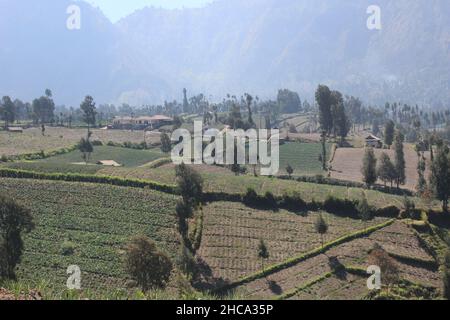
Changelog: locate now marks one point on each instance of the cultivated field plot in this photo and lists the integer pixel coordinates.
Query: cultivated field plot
(218, 179)
(347, 164)
(397, 239)
(72, 162)
(232, 232)
(303, 158)
(95, 221)
(32, 141)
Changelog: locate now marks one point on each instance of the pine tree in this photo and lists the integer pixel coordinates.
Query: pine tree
(321, 227)
(399, 162)
(389, 133)
(386, 169)
(440, 176)
(369, 168)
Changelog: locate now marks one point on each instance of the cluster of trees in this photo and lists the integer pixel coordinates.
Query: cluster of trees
(387, 170)
(333, 117)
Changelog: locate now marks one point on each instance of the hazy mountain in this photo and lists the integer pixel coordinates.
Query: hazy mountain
(230, 46)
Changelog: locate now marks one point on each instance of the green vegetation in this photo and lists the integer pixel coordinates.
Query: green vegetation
(97, 220)
(73, 162)
(302, 157)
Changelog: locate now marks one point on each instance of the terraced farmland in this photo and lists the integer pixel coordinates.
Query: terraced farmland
(96, 220)
(313, 279)
(232, 232)
(222, 180)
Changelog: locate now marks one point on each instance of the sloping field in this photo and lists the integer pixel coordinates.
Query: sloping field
(232, 232)
(347, 164)
(32, 141)
(218, 179)
(303, 158)
(72, 162)
(311, 278)
(95, 222)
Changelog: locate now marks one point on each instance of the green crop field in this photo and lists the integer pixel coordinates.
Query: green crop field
(303, 157)
(232, 184)
(73, 162)
(96, 220)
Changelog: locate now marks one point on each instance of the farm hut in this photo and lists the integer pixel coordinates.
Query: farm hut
(109, 163)
(15, 129)
(373, 141)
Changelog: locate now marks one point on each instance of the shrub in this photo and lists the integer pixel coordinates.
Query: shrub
(67, 248)
(388, 212)
(270, 201)
(293, 202)
(147, 265)
(341, 206)
(250, 198)
(97, 143)
(14, 220)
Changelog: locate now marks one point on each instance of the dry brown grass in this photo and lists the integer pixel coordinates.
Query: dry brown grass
(347, 164)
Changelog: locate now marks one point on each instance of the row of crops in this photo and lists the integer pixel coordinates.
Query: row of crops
(88, 225)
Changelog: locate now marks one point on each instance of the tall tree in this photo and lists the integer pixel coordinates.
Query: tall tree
(341, 123)
(7, 111)
(249, 101)
(440, 175)
(185, 102)
(421, 181)
(44, 108)
(389, 131)
(321, 227)
(324, 101)
(289, 101)
(399, 162)
(14, 221)
(89, 112)
(86, 149)
(263, 253)
(386, 169)
(369, 168)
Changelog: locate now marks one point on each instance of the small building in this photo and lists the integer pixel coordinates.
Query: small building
(109, 163)
(373, 141)
(141, 123)
(15, 129)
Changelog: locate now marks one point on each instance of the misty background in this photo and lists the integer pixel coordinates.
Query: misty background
(228, 46)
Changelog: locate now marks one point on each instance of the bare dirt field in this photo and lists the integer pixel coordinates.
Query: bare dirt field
(32, 141)
(347, 164)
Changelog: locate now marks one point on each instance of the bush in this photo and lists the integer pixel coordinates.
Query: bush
(270, 201)
(341, 206)
(251, 198)
(388, 212)
(147, 265)
(293, 202)
(67, 248)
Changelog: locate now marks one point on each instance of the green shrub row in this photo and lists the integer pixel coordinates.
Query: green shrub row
(320, 179)
(295, 260)
(75, 177)
(38, 155)
(131, 145)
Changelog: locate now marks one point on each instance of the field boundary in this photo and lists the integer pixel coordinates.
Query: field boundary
(40, 155)
(74, 177)
(315, 252)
